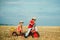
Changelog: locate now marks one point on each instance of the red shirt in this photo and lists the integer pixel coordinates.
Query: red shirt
(19, 28)
(31, 24)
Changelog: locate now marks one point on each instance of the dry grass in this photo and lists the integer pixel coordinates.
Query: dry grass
(46, 33)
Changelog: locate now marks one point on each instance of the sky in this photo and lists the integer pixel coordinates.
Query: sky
(47, 12)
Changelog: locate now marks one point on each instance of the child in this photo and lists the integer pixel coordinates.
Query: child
(30, 26)
(19, 28)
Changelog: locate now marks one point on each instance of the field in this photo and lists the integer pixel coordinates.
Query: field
(46, 33)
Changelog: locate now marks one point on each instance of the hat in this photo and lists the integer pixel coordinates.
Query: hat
(33, 17)
(21, 21)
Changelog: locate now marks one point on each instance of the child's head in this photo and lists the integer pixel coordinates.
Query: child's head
(34, 18)
(21, 22)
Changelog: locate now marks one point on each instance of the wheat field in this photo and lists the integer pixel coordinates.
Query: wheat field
(46, 33)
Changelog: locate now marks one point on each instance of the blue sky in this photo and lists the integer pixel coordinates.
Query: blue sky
(46, 11)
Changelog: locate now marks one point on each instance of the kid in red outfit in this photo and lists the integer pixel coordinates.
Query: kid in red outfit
(19, 28)
(30, 27)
